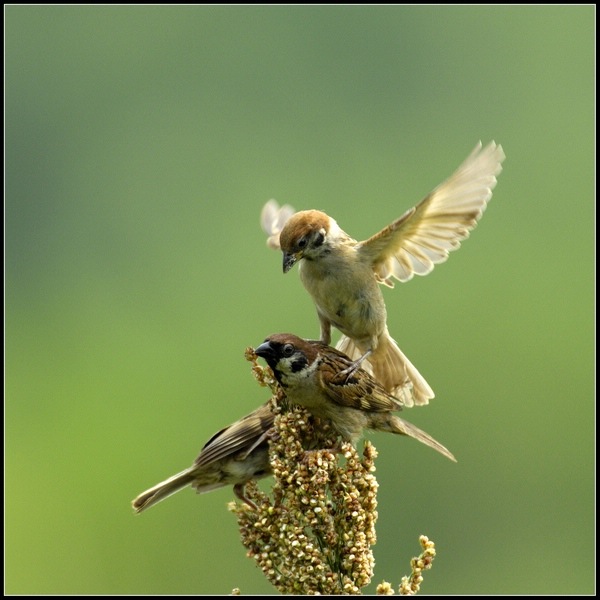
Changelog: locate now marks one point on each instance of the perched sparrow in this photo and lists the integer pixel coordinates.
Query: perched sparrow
(313, 375)
(343, 275)
(233, 456)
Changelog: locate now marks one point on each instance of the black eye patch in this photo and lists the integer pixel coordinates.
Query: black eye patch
(319, 239)
(298, 364)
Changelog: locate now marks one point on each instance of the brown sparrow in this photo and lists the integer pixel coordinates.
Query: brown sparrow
(313, 375)
(343, 275)
(233, 456)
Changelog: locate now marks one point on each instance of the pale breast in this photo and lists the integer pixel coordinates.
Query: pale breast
(347, 295)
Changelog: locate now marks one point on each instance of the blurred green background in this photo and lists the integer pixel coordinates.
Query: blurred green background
(141, 144)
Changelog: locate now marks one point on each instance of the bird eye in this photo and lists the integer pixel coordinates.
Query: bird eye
(288, 350)
(302, 242)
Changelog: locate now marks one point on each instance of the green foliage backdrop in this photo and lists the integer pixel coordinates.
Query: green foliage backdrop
(141, 143)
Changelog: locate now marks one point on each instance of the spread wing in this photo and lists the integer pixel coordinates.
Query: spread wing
(272, 220)
(359, 390)
(424, 235)
(239, 436)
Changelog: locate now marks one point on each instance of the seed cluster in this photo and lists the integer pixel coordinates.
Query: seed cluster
(314, 536)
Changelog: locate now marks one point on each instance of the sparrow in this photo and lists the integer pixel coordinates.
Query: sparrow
(312, 375)
(232, 456)
(343, 275)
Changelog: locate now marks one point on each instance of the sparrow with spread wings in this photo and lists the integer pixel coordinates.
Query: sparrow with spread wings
(343, 275)
(232, 456)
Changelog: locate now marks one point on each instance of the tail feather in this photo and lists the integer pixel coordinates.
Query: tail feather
(390, 366)
(163, 490)
(398, 425)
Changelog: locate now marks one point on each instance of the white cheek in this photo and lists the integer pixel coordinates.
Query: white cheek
(285, 366)
(300, 378)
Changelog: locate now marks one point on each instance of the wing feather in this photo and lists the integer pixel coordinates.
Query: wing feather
(272, 219)
(241, 435)
(359, 390)
(424, 235)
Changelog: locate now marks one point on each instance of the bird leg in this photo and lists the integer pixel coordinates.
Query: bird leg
(325, 329)
(238, 490)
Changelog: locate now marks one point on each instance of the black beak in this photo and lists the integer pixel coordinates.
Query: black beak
(289, 260)
(266, 351)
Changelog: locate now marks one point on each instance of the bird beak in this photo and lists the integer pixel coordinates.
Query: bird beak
(265, 350)
(289, 260)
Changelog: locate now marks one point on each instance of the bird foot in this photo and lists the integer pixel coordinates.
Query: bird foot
(348, 372)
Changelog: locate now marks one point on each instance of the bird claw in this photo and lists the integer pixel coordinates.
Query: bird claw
(348, 372)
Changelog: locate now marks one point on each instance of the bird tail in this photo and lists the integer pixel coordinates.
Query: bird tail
(392, 369)
(397, 425)
(163, 490)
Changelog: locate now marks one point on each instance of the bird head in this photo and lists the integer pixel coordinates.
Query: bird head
(304, 236)
(287, 355)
